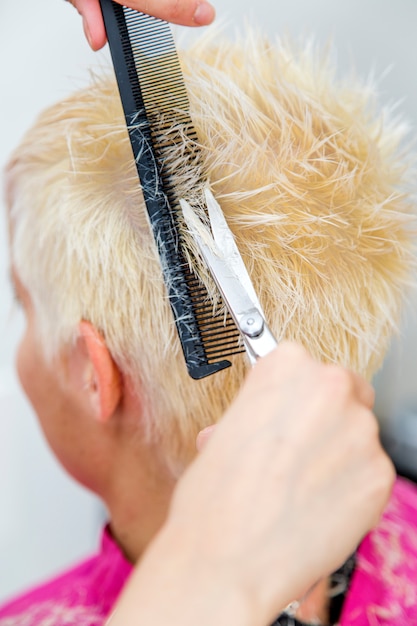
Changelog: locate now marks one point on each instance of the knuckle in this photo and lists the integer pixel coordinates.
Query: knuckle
(287, 359)
(386, 467)
(175, 10)
(295, 351)
(369, 423)
(338, 380)
(363, 429)
(388, 471)
(384, 476)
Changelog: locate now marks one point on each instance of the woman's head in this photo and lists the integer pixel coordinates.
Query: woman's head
(312, 182)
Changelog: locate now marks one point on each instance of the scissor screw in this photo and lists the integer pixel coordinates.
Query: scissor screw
(251, 323)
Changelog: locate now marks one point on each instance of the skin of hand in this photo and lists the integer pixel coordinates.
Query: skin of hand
(184, 12)
(284, 489)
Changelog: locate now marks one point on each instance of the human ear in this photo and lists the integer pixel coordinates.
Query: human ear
(101, 376)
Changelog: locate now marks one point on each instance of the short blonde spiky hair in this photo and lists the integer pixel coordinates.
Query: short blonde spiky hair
(310, 178)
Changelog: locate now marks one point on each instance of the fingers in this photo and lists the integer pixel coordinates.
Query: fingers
(92, 22)
(291, 355)
(305, 432)
(184, 12)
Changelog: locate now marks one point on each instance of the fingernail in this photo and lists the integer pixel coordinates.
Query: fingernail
(204, 14)
(87, 32)
(203, 437)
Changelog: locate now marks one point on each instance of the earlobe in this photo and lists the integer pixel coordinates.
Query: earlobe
(103, 380)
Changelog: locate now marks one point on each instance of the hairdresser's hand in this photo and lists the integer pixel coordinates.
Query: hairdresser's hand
(284, 489)
(185, 12)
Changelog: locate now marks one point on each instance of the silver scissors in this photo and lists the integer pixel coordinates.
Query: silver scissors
(222, 257)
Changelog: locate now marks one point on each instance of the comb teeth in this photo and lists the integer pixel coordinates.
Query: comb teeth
(156, 108)
(156, 63)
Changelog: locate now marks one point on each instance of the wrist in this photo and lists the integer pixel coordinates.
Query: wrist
(174, 585)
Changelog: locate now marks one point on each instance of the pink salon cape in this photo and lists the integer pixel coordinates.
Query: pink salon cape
(383, 591)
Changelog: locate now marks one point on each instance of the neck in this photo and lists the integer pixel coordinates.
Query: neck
(138, 500)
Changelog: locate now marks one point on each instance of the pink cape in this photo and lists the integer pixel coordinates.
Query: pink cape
(384, 586)
(83, 596)
(383, 591)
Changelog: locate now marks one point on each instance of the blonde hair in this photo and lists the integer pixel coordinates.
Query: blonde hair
(311, 179)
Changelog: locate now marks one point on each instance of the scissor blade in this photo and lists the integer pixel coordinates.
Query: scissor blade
(256, 335)
(225, 242)
(199, 231)
(229, 283)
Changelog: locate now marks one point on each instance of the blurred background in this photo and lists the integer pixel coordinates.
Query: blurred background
(46, 521)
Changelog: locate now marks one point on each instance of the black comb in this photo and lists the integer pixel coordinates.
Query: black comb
(156, 108)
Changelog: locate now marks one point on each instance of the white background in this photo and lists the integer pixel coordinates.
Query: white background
(46, 521)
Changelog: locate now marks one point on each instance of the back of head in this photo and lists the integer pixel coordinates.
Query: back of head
(312, 182)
